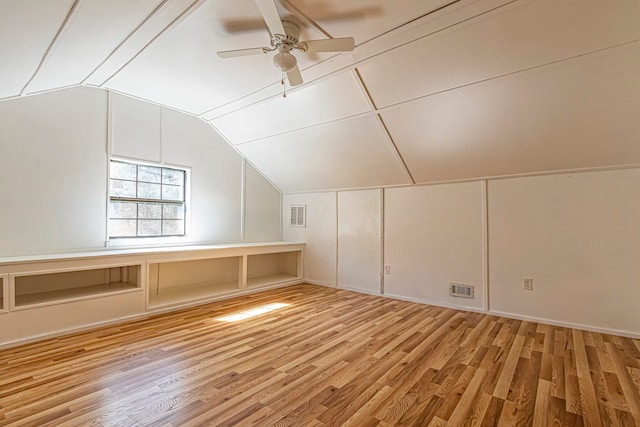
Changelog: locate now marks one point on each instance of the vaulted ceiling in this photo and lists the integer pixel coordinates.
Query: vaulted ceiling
(435, 90)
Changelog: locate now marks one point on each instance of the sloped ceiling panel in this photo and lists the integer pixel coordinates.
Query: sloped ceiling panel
(351, 153)
(161, 19)
(570, 115)
(327, 100)
(93, 31)
(527, 34)
(195, 79)
(26, 30)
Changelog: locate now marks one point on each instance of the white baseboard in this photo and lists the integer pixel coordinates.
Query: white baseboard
(563, 324)
(436, 303)
(314, 282)
(362, 291)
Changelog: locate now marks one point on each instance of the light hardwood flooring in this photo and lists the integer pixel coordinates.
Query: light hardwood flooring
(330, 357)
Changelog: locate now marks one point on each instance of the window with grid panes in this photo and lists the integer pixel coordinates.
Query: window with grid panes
(146, 200)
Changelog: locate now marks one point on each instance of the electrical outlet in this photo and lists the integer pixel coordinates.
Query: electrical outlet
(527, 283)
(387, 269)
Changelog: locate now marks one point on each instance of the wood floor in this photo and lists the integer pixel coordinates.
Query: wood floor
(331, 358)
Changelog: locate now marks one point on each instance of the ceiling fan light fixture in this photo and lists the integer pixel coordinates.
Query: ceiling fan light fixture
(285, 61)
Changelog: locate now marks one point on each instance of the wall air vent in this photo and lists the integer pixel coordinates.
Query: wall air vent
(298, 216)
(461, 290)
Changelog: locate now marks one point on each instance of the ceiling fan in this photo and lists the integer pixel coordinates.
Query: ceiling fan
(285, 37)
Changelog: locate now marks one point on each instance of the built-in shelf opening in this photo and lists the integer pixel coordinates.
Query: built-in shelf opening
(180, 281)
(3, 290)
(267, 269)
(41, 288)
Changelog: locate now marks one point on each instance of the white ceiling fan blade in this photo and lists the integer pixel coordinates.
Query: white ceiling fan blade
(343, 44)
(294, 77)
(271, 17)
(242, 52)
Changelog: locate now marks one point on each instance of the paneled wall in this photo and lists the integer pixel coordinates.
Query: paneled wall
(55, 148)
(360, 240)
(434, 235)
(53, 172)
(320, 234)
(576, 235)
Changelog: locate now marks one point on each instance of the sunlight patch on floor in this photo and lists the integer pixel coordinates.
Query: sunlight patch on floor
(242, 315)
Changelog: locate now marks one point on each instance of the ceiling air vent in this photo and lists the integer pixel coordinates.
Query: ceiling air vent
(297, 218)
(460, 290)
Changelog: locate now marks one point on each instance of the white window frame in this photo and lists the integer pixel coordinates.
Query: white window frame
(150, 240)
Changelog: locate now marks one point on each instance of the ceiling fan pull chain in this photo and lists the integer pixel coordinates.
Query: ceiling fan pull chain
(284, 87)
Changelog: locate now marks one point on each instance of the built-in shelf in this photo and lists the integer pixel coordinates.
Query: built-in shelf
(189, 293)
(269, 269)
(71, 293)
(270, 280)
(4, 285)
(175, 282)
(47, 294)
(35, 288)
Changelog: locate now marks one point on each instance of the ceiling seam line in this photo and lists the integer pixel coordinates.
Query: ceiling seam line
(365, 90)
(50, 47)
(191, 8)
(242, 156)
(511, 73)
(279, 82)
(287, 5)
(161, 5)
(439, 30)
(327, 122)
(40, 92)
(383, 125)
(412, 21)
(590, 169)
(156, 103)
(403, 163)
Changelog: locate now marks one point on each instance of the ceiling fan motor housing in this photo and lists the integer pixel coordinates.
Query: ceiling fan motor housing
(288, 41)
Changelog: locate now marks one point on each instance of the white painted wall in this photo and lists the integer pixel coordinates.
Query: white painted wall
(135, 128)
(359, 240)
(434, 235)
(53, 171)
(577, 236)
(216, 176)
(262, 216)
(148, 132)
(320, 234)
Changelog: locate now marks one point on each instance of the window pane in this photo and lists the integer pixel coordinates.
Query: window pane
(172, 227)
(123, 209)
(171, 192)
(171, 176)
(122, 227)
(150, 211)
(123, 171)
(173, 212)
(149, 174)
(156, 200)
(148, 191)
(149, 227)
(122, 188)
